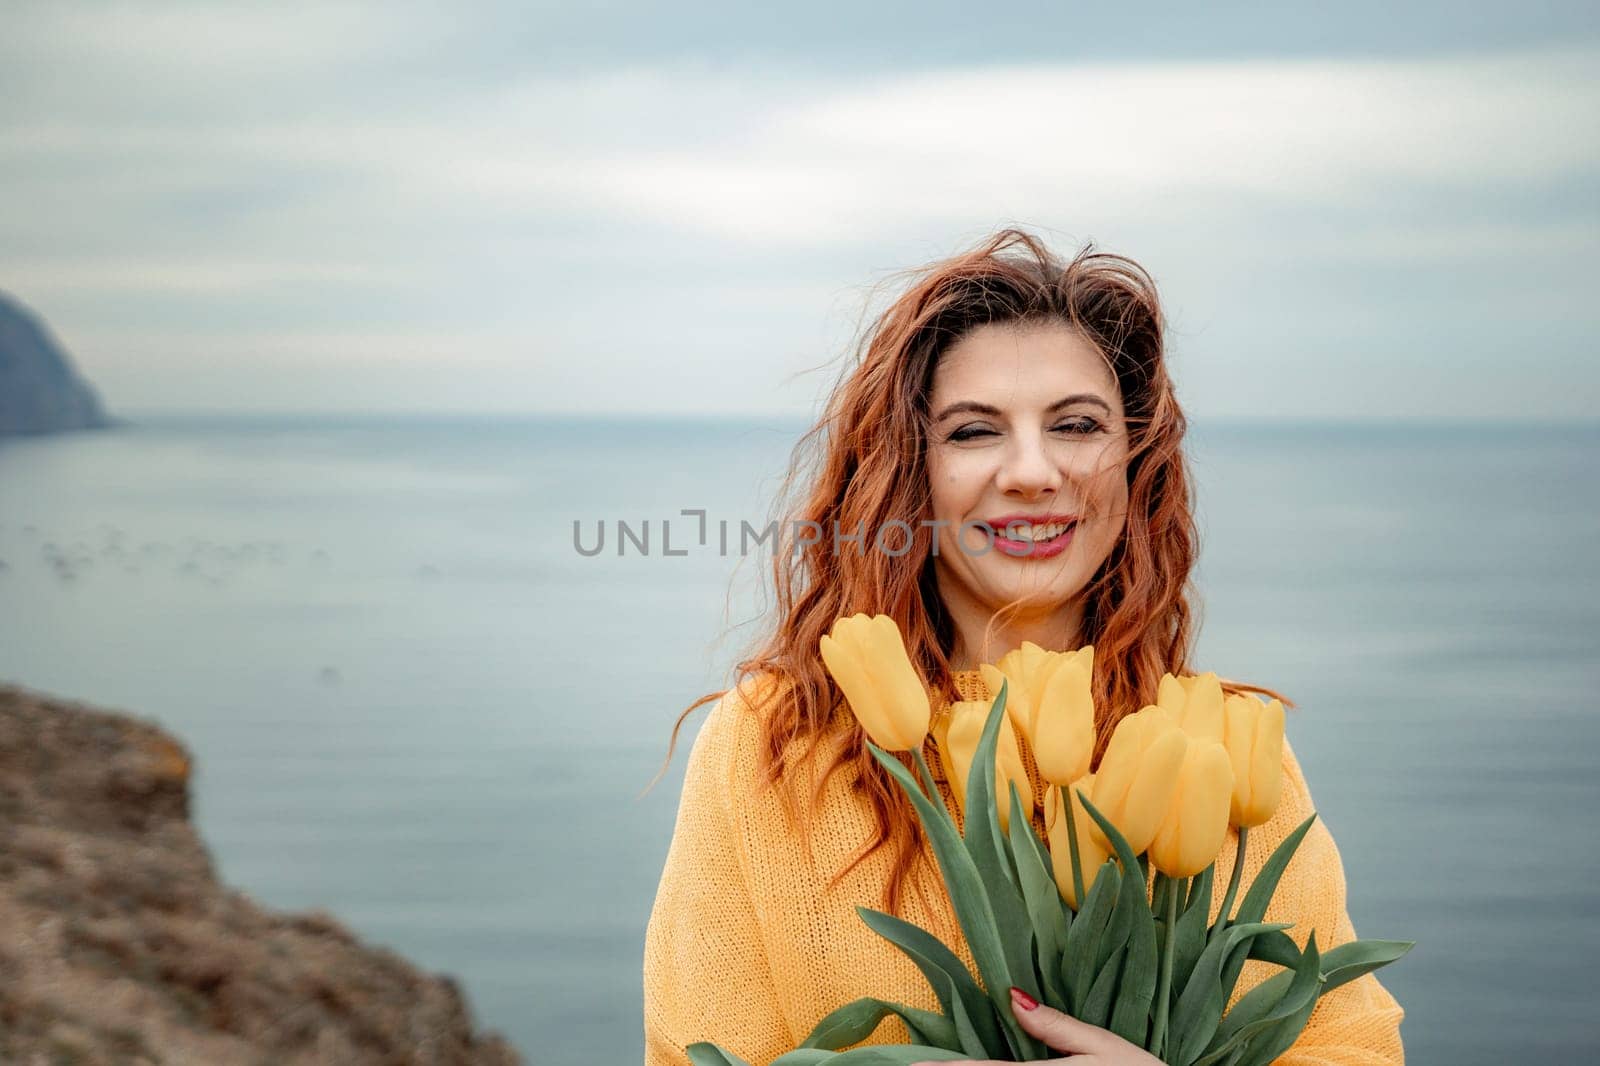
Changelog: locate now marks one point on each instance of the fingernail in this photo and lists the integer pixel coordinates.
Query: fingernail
(1025, 1001)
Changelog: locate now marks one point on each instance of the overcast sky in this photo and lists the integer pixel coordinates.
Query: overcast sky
(1351, 211)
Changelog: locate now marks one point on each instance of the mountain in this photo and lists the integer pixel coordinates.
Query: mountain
(40, 392)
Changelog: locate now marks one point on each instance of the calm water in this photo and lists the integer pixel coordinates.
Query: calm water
(416, 705)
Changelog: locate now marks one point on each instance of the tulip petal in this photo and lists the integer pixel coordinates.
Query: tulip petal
(1266, 768)
(1151, 795)
(1202, 716)
(962, 735)
(1063, 741)
(1197, 821)
(850, 674)
(899, 685)
(1172, 697)
(1019, 700)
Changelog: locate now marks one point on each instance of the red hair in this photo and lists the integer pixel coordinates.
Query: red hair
(870, 469)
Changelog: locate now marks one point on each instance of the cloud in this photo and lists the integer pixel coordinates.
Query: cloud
(317, 185)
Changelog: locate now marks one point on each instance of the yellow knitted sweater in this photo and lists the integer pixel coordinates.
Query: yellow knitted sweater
(745, 947)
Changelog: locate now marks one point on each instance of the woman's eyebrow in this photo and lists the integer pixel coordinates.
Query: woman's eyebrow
(985, 409)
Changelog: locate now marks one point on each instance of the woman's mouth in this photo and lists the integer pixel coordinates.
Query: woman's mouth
(1035, 542)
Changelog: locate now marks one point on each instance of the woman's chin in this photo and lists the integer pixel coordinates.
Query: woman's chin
(1055, 591)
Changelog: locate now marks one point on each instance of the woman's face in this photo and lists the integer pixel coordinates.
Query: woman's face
(1027, 426)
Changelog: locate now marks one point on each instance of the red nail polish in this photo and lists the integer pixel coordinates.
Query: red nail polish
(1025, 1001)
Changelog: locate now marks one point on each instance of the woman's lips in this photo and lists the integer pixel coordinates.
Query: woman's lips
(1030, 550)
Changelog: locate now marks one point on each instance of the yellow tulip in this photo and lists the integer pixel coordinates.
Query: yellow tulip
(1171, 696)
(1019, 702)
(1196, 822)
(958, 737)
(1254, 739)
(1030, 671)
(1194, 704)
(867, 658)
(1062, 736)
(1137, 776)
(1091, 855)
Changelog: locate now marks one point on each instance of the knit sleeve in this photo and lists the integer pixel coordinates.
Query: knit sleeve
(1357, 1024)
(706, 973)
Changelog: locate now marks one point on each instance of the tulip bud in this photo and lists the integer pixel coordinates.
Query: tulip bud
(1172, 697)
(1091, 855)
(1196, 822)
(1030, 669)
(1019, 701)
(958, 737)
(1254, 739)
(1194, 704)
(867, 659)
(1134, 785)
(1202, 715)
(1063, 724)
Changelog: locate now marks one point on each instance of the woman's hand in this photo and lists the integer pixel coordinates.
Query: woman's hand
(1084, 1044)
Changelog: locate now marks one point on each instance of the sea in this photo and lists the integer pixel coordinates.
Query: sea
(420, 699)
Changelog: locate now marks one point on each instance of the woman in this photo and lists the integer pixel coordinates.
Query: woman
(1005, 395)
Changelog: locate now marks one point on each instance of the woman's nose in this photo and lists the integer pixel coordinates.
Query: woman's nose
(1027, 468)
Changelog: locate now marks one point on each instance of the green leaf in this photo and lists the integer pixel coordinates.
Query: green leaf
(888, 1055)
(1254, 906)
(1279, 997)
(992, 858)
(1120, 926)
(985, 839)
(1083, 938)
(1357, 958)
(1200, 1005)
(1046, 909)
(806, 1057)
(945, 971)
(854, 1022)
(1130, 1017)
(1193, 925)
(1278, 1037)
(705, 1053)
(1098, 1003)
(1272, 1003)
(968, 1035)
(1133, 925)
(1277, 948)
(1042, 852)
(968, 893)
(1119, 843)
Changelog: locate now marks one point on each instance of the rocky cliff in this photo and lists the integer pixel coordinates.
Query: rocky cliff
(39, 390)
(118, 944)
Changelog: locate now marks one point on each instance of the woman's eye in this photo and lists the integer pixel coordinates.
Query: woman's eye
(1078, 426)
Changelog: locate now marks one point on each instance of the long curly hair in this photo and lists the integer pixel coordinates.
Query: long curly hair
(863, 464)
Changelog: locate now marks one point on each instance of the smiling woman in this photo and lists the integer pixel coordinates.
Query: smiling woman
(1015, 412)
(1028, 448)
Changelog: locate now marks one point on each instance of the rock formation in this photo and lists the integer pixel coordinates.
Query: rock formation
(39, 390)
(118, 944)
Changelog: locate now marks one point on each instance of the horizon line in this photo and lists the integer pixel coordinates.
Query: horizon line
(134, 414)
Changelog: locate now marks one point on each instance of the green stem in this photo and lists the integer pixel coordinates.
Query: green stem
(1164, 987)
(1233, 888)
(927, 776)
(1072, 845)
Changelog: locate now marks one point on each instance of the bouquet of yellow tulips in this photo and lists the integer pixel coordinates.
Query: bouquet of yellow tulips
(1109, 918)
